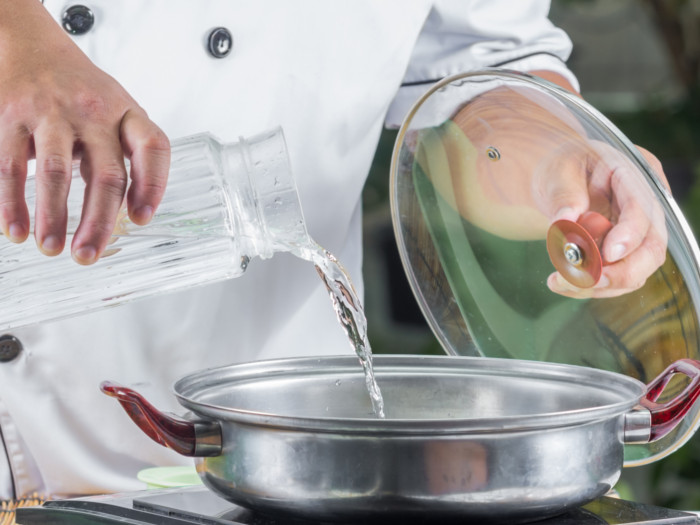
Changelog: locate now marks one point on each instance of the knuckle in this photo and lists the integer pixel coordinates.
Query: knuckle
(100, 230)
(55, 168)
(111, 180)
(10, 168)
(154, 146)
(152, 187)
(21, 100)
(157, 142)
(50, 221)
(91, 104)
(16, 110)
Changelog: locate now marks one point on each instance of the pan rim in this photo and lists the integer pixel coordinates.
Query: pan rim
(628, 391)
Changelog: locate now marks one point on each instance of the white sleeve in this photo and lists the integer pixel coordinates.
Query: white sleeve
(460, 36)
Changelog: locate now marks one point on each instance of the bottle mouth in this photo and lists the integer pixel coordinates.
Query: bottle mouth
(278, 209)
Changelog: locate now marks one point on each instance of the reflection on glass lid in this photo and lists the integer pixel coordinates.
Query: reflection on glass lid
(529, 227)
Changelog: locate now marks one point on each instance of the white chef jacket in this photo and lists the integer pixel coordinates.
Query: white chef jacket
(330, 73)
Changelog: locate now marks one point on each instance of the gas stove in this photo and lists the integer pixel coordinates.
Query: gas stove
(201, 506)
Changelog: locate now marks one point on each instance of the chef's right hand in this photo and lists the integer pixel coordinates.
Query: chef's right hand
(57, 106)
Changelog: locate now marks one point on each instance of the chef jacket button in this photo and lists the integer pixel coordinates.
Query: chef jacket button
(78, 19)
(220, 42)
(10, 347)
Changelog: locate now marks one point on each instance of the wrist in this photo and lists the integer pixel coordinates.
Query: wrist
(28, 26)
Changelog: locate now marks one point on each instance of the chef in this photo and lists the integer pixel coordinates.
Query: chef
(102, 79)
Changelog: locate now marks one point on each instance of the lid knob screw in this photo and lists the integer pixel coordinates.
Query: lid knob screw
(574, 248)
(573, 254)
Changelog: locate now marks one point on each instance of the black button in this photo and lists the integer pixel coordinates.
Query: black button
(10, 347)
(78, 19)
(220, 42)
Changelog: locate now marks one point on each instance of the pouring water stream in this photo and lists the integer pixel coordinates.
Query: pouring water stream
(349, 311)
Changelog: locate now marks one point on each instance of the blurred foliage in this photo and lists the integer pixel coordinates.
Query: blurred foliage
(673, 135)
(376, 191)
(677, 24)
(675, 480)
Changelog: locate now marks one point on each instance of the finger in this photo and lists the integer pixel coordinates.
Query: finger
(560, 187)
(614, 178)
(616, 186)
(633, 271)
(148, 149)
(14, 154)
(559, 285)
(640, 214)
(628, 234)
(602, 290)
(54, 156)
(619, 278)
(102, 167)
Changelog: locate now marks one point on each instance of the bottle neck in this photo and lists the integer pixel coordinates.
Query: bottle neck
(260, 186)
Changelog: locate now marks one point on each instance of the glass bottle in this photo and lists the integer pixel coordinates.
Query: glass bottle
(224, 204)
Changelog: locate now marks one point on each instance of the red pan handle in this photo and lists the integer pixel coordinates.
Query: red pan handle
(665, 416)
(189, 438)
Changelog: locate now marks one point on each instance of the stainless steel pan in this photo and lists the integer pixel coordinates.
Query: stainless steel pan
(490, 439)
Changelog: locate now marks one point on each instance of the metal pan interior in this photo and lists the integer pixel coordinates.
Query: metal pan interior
(421, 394)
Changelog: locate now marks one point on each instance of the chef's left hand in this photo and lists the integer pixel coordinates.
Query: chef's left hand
(57, 106)
(605, 180)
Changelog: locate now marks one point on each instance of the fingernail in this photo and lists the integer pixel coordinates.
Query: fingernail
(51, 244)
(85, 255)
(17, 232)
(616, 252)
(144, 214)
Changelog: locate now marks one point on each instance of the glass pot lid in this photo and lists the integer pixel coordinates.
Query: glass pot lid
(530, 227)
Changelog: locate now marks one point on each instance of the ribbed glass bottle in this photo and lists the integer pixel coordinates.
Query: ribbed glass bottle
(224, 204)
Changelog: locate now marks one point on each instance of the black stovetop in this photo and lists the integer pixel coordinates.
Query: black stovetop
(201, 506)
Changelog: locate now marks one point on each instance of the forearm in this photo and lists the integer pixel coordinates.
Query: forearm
(26, 30)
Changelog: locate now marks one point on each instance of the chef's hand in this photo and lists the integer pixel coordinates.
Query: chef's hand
(528, 163)
(636, 245)
(605, 180)
(56, 106)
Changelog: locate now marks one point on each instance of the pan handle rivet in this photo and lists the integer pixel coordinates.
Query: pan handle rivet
(573, 254)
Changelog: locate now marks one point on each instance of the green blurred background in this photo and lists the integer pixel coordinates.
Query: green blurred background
(638, 62)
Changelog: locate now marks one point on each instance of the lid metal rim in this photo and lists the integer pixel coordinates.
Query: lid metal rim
(685, 239)
(690, 242)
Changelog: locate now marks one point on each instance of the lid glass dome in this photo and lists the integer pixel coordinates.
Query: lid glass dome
(530, 227)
